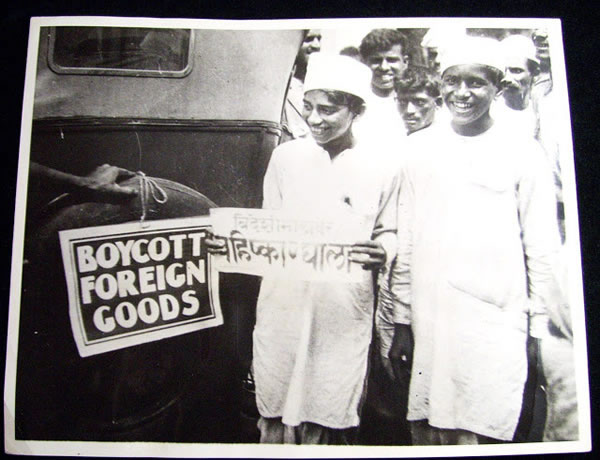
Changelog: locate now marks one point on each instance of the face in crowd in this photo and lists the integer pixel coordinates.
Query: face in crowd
(417, 109)
(518, 79)
(311, 43)
(385, 65)
(468, 91)
(330, 121)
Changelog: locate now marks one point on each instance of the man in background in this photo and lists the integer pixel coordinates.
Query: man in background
(529, 105)
(418, 98)
(293, 124)
(528, 90)
(386, 53)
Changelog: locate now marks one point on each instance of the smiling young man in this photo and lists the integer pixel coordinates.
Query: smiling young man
(386, 53)
(311, 339)
(474, 265)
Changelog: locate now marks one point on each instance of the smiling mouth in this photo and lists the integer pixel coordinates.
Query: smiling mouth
(318, 131)
(462, 106)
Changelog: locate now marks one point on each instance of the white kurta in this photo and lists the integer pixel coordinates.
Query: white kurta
(311, 339)
(474, 260)
(381, 123)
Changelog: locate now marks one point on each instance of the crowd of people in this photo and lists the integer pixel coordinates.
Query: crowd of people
(448, 148)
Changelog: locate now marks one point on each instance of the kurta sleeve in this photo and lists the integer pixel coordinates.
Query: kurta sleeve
(384, 316)
(400, 279)
(386, 222)
(540, 236)
(272, 196)
(385, 231)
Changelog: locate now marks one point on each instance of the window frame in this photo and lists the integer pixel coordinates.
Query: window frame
(113, 71)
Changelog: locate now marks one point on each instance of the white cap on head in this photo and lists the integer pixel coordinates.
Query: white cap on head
(441, 36)
(339, 73)
(473, 50)
(519, 46)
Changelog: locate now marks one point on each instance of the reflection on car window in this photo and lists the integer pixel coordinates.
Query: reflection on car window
(120, 51)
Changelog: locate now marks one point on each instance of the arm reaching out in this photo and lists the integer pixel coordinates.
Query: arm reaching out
(101, 183)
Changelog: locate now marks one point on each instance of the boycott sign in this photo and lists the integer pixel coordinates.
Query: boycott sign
(129, 285)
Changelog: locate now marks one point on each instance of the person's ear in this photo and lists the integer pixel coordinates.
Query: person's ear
(361, 110)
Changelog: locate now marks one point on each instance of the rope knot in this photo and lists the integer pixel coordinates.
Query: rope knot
(149, 188)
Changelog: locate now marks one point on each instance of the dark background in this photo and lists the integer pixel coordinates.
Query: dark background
(580, 22)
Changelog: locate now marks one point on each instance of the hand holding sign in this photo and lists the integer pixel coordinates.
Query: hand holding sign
(215, 245)
(370, 254)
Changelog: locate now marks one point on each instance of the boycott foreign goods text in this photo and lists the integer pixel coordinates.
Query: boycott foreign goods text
(127, 282)
(146, 279)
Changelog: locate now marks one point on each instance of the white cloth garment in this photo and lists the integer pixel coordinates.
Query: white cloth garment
(524, 122)
(477, 235)
(381, 123)
(311, 339)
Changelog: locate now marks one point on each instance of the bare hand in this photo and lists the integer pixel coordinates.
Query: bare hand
(102, 181)
(370, 254)
(401, 352)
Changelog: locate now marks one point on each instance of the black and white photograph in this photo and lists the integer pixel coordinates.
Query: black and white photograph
(296, 238)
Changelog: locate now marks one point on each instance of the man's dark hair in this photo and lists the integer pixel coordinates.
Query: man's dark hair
(354, 103)
(416, 79)
(494, 75)
(533, 67)
(382, 40)
(350, 51)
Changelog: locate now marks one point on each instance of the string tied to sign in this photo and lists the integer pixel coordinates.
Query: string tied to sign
(149, 189)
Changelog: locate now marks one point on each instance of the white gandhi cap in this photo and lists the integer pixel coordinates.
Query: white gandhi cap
(473, 50)
(339, 73)
(442, 36)
(519, 46)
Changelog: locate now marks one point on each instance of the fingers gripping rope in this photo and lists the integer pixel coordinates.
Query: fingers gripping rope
(149, 188)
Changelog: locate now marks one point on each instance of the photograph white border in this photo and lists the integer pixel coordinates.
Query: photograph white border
(241, 450)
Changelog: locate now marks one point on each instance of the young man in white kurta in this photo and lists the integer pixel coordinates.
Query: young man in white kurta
(473, 268)
(311, 339)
